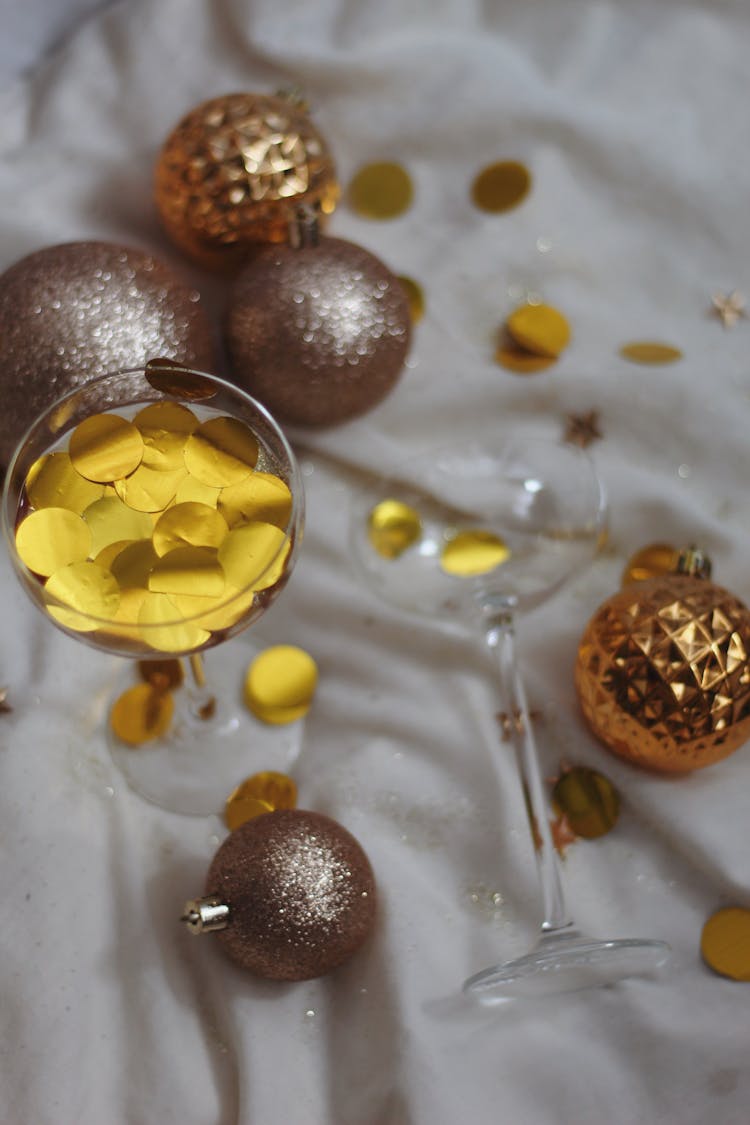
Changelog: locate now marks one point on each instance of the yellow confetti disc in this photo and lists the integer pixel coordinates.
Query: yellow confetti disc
(240, 809)
(588, 800)
(381, 190)
(469, 553)
(415, 298)
(276, 789)
(51, 538)
(141, 714)
(280, 684)
(393, 527)
(164, 427)
(163, 629)
(105, 447)
(260, 497)
(500, 186)
(514, 358)
(110, 521)
(188, 570)
(149, 490)
(190, 489)
(132, 565)
(87, 588)
(650, 352)
(221, 451)
(539, 329)
(189, 525)
(215, 613)
(725, 943)
(254, 555)
(53, 482)
(650, 562)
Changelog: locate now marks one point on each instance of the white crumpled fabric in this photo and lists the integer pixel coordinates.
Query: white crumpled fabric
(631, 120)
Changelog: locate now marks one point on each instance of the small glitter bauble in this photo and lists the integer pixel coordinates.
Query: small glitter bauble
(300, 893)
(663, 676)
(76, 310)
(234, 170)
(319, 333)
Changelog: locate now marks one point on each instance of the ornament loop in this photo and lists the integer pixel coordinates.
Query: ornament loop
(202, 915)
(694, 561)
(304, 226)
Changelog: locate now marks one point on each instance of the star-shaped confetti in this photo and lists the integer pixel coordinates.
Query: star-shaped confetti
(582, 429)
(5, 707)
(729, 307)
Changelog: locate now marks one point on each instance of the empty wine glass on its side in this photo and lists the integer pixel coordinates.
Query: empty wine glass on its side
(480, 532)
(156, 513)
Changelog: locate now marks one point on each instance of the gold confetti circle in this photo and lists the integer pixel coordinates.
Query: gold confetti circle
(170, 378)
(254, 555)
(469, 553)
(240, 809)
(725, 943)
(188, 570)
(650, 562)
(588, 800)
(263, 792)
(162, 629)
(52, 482)
(415, 297)
(164, 427)
(393, 527)
(141, 714)
(51, 538)
(149, 490)
(105, 447)
(261, 497)
(110, 521)
(381, 190)
(539, 329)
(189, 525)
(221, 451)
(514, 358)
(279, 790)
(650, 352)
(280, 684)
(87, 588)
(500, 186)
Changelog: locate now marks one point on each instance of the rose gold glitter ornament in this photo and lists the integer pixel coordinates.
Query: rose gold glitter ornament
(663, 673)
(231, 172)
(291, 894)
(319, 332)
(80, 309)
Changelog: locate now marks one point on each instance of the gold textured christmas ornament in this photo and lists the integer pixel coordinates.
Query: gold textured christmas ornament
(290, 893)
(317, 332)
(234, 169)
(80, 309)
(663, 675)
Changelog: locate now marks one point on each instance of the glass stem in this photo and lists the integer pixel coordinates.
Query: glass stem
(202, 702)
(501, 642)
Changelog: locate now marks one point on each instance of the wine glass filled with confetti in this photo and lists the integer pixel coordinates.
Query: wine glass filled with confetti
(479, 532)
(155, 513)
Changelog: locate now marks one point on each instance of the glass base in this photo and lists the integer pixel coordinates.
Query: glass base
(567, 962)
(208, 750)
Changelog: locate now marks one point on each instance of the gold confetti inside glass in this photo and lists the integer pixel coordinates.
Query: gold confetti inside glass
(156, 527)
(541, 512)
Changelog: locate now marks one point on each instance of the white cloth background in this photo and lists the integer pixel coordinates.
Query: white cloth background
(631, 120)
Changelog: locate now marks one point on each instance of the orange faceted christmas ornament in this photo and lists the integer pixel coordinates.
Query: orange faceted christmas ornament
(232, 172)
(663, 675)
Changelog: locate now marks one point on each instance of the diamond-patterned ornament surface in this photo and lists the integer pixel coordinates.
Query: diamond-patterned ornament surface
(663, 673)
(233, 171)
